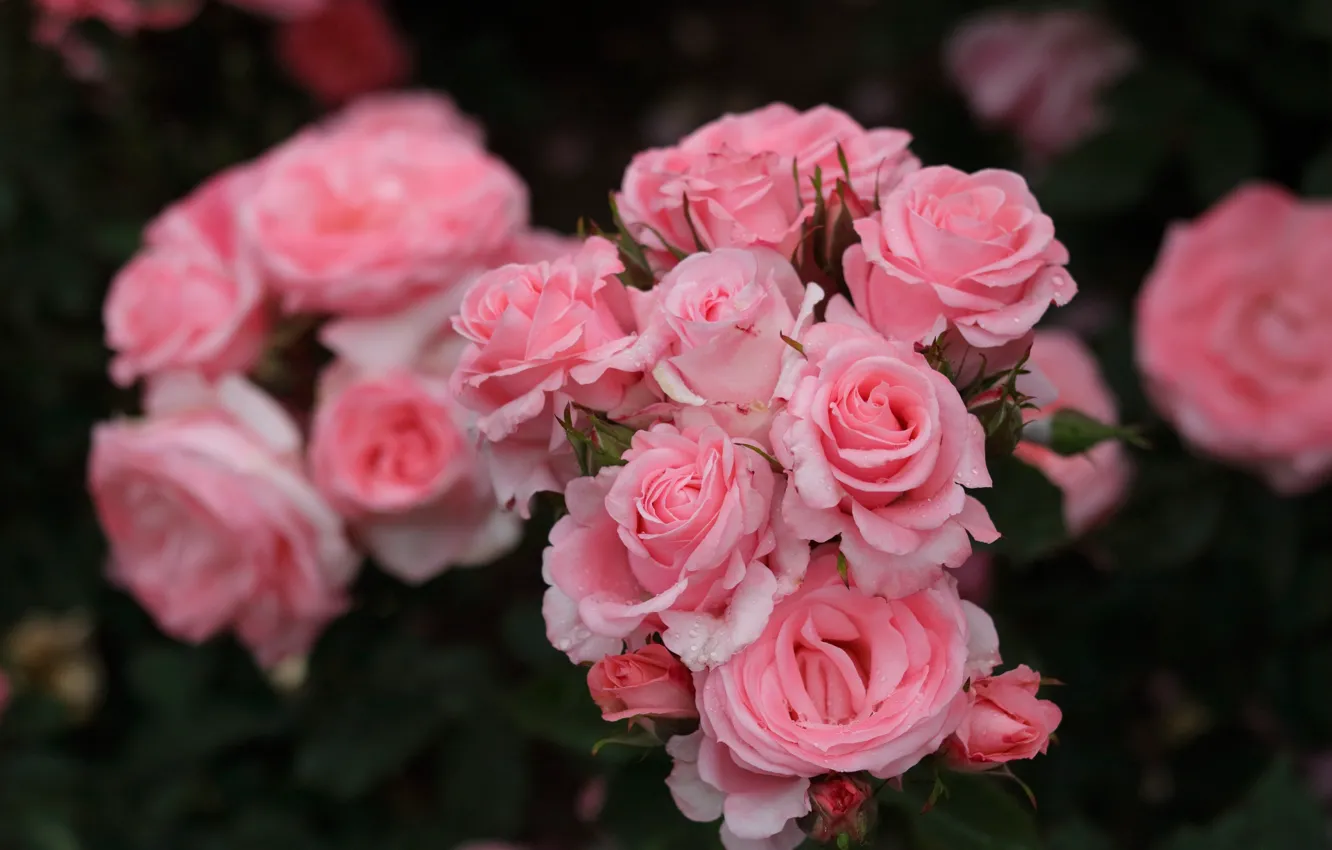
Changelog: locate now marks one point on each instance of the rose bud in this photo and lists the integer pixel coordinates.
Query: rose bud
(649, 681)
(1005, 722)
(840, 805)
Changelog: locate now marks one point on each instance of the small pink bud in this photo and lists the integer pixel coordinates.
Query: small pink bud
(648, 682)
(840, 805)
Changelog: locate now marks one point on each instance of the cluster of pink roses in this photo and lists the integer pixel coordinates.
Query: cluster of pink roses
(336, 49)
(765, 487)
(226, 509)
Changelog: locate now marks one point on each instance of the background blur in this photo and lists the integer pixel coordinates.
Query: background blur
(1194, 632)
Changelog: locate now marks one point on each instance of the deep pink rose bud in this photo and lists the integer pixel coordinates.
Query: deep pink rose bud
(840, 805)
(1006, 722)
(649, 681)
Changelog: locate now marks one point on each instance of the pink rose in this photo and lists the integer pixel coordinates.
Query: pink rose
(681, 539)
(211, 524)
(1040, 74)
(839, 681)
(973, 251)
(701, 200)
(357, 221)
(1233, 334)
(647, 682)
(877, 159)
(55, 17)
(730, 306)
(189, 299)
(842, 805)
(1094, 483)
(389, 454)
(344, 49)
(1005, 722)
(879, 447)
(424, 111)
(541, 335)
(730, 183)
(281, 9)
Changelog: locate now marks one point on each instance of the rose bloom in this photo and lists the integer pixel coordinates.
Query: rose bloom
(1005, 722)
(211, 524)
(730, 183)
(1040, 75)
(649, 681)
(421, 110)
(541, 335)
(356, 221)
(345, 49)
(880, 447)
(1233, 334)
(1094, 483)
(947, 248)
(389, 453)
(680, 539)
(839, 681)
(189, 299)
(730, 306)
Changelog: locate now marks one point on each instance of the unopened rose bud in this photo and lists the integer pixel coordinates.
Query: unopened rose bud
(1006, 721)
(1002, 420)
(840, 805)
(648, 682)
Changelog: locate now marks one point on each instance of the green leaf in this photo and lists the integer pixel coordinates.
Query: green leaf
(1026, 508)
(640, 737)
(1278, 812)
(772, 461)
(976, 814)
(843, 568)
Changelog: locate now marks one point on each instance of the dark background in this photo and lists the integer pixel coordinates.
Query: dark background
(1194, 632)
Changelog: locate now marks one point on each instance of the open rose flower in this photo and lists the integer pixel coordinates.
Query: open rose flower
(1040, 75)
(730, 183)
(730, 306)
(880, 447)
(189, 299)
(389, 453)
(1234, 334)
(1093, 483)
(211, 524)
(355, 221)
(876, 159)
(540, 335)
(681, 539)
(648, 682)
(1005, 722)
(344, 49)
(838, 682)
(947, 248)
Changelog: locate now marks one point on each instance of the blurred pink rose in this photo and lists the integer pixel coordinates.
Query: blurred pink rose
(730, 185)
(1005, 722)
(541, 335)
(389, 453)
(1234, 334)
(880, 446)
(1040, 75)
(344, 49)
(681, 539)
(730, 306)
(354, 220)
(422, 110)
(189, 299)
(281, 9)
(971, 251)
(1094, 483)
(211, 523)
(838, 682)
(648, 682)
(55, 17)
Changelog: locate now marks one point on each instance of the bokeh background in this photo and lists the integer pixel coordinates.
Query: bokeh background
(1193, 632)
